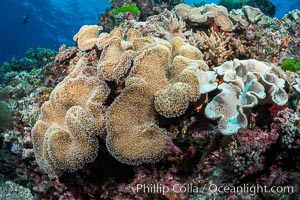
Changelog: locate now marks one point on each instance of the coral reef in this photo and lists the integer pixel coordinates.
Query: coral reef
(161, 102)
(109, 19)
(33, 59)
(5, 117)
(11, 190)
(205, 15)
(265, 6)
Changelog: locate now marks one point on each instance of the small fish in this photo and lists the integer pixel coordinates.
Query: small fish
(25, 19)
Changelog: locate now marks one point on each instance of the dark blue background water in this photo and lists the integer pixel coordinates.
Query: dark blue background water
(54, 22)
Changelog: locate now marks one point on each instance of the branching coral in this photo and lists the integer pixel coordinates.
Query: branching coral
(65, 135)
(171, 26)
(214, 46)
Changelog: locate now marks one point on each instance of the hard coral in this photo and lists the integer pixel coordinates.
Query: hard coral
(64, 137)
(213, 45)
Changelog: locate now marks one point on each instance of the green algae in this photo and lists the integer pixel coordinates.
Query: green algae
(131, 8)
(291, 65)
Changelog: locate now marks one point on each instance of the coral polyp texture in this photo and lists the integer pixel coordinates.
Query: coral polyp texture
(64, 137)
(188, 97)
(133, 136)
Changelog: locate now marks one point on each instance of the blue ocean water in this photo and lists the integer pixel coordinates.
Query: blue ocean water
(52, 23)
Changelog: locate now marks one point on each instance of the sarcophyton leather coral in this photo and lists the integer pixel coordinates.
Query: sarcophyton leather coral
(188, 81)
(133, 137)
(137, 78)
(64, 137)
(246, 84)
(87, 37)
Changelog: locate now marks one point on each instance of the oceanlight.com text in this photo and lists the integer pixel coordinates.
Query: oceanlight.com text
(209, 188)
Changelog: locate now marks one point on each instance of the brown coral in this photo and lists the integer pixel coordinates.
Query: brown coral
(132, 134)
(87, 37)
(185, 83)
(213, 46)
(117, 54)
(65, 135)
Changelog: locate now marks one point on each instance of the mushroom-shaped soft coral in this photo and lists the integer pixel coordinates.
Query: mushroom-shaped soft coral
(231, 106)
(117, 55)
(192, 82)
(173, 100)
(224, 107)
(64, 137)
(236, 72)
(87, 37)
(187, 82)
(133, 136)
(70, 150)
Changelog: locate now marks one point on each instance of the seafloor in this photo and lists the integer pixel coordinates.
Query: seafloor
(185, 103)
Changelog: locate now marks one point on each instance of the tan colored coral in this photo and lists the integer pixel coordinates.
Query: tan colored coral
(196, 17)
(224, 22)
(253, 14)
(238, 21)
(183, 10)
(133, 136)
(173, 100)
(87, 37)
(140, 43)
(152, 65)
(180, 63)
(191, 52)
(185, 81)
(207, 14)
(64, 137)
(200, 82)
(170, 27)
(105, 38)
(213, 46)
(117, 55)
(291, 16)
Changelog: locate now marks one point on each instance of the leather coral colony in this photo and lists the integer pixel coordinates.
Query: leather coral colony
(157, 77)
